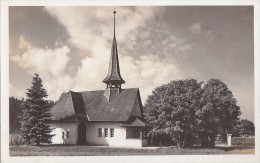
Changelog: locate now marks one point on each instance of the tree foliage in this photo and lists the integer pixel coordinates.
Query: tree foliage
(219, 113)
(171, 109)
(184, 108)
(34, 125)
(244, 128)
(15, 114)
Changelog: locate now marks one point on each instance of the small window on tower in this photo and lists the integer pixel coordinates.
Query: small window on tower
(111, 132)
(63, 134)
(67, 134)
(99, 132)
(106, 132)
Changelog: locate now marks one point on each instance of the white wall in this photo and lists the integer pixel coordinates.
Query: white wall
(71, 127)
(119, 138)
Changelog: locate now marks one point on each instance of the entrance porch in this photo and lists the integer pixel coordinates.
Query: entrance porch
(136, 132)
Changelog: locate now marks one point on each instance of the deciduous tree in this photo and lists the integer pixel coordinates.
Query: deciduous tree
(171, 109)
(219, 113)
(244, 128)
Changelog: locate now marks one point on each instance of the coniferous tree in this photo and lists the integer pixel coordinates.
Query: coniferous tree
(34, 125)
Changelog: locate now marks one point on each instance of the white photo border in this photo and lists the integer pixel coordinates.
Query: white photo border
(126, 159)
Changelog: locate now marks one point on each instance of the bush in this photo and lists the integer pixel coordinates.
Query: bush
(15, 139)
(239, 141)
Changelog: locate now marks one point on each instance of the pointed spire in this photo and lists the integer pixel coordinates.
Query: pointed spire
(114, 23)
(114, 78)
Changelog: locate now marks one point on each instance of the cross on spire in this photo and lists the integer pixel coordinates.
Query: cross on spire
(114, 78)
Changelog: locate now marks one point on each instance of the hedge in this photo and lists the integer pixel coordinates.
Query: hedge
(15, 139)
(239, 141)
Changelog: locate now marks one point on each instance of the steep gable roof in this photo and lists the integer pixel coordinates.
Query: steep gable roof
(118, 109)
(69, 108)
(93, 106)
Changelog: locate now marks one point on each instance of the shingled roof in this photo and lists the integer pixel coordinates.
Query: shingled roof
(93, 106)
(69, 108)
(136, 122)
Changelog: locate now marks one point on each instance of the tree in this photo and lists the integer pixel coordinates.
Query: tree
(219, 113)
(171, 109)
(244, 128)
(15, 114)
(183, 109)
(34, 125)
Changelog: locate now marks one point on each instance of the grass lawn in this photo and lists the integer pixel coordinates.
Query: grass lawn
(62, 150)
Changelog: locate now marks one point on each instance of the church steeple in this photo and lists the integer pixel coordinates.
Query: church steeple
(114, 79)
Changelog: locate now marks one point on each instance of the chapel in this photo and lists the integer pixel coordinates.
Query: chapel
(111, 117)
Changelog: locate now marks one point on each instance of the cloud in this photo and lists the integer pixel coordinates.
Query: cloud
(87, 27)
(18, 92)
(90, 30)
(211, 36)
(23, 43)
(44, 60)
(150, 72)
(50, 64)
(146, 73)
(56, 85)
(195, 28)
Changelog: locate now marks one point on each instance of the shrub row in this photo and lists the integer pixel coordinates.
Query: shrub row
(243, 141)
(15, 139)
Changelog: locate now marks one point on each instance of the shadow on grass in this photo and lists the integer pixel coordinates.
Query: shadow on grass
(224, 148)
(234, 148)
(60, 145)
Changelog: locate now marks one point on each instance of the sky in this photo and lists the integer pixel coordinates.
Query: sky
(69, 47)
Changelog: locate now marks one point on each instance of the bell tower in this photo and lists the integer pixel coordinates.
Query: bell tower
(113, 80)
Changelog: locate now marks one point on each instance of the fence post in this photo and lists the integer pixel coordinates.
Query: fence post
(229, 139)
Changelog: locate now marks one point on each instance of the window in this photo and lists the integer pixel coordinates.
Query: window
(99, 132)
(106, 132)
(65, 134)
(111, 132)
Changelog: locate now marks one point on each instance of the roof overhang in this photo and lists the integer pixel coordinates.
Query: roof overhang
(137, 122)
